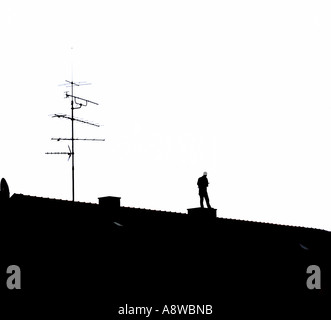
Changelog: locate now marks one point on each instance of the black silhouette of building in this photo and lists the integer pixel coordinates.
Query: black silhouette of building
(89, 259)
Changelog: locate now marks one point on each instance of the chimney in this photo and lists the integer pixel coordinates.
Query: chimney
(202, 213)
(110, 202)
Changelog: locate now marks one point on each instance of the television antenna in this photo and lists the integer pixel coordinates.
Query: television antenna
(76, 103)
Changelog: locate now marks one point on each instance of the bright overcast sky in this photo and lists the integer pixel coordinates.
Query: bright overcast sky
(240, 89)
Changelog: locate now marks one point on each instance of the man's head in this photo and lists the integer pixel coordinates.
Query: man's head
(205, 173)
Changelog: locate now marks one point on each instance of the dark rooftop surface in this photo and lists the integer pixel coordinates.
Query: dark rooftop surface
(95, 257)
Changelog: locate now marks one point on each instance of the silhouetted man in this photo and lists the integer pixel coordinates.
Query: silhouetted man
(203, 184)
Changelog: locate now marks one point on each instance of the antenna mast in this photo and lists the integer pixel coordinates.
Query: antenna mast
(80, 102)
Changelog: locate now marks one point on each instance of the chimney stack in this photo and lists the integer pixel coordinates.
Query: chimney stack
(110, 202)
(202, 213)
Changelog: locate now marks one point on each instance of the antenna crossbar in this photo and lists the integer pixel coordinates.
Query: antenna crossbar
(82, 83)
(67, 95)
(68, 153)
(65, 116)
(77, 139)
(70, 83)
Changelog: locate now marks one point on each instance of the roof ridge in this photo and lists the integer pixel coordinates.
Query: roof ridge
(56, 199)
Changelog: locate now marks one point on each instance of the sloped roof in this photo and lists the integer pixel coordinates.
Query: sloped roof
(167, 254)
(41, 201)
(24, 197)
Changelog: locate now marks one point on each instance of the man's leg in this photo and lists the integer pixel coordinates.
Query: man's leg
(207, 201)
(201, 201)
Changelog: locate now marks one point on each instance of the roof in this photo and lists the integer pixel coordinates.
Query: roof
(144, 211)
(24, 197)
(123, 254)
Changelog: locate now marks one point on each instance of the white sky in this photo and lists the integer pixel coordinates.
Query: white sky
(241, 89)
